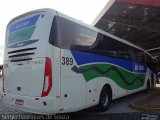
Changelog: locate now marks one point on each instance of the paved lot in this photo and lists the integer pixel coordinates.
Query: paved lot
(119, 110)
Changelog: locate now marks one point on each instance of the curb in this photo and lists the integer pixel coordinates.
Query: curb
(146, 109)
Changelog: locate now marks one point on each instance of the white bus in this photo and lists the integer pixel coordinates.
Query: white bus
(55, 64)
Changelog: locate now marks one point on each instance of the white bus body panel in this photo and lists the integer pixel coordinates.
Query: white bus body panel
(29, 75)
(20, 76)
(73, 86)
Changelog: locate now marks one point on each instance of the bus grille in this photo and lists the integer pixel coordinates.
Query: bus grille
(19, 56)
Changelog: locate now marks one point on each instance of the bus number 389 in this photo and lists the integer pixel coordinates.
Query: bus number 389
(67, 61)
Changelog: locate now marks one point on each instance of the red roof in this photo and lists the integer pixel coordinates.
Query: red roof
(155, 3)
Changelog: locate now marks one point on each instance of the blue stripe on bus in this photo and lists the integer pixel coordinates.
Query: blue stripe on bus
(23, 24)
(85, 58)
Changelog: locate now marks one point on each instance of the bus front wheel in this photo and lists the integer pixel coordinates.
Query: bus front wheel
(105, 99)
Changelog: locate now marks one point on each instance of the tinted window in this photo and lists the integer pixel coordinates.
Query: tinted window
(150, 63)
(70, 35)
(63, 33)
(85, 36)
(53, 38)
(139, 56)
(111, 47)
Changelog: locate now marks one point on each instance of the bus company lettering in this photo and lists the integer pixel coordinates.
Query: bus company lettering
(22, 25)
(139, 68)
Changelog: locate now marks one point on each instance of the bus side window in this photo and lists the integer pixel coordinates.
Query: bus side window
(117, 48)
(103, 46)
(63, 33)
(53, 38)
(68, 33)
(74, 36)
(138, 55)
(85, 36)
(124, 55)
(150, 63)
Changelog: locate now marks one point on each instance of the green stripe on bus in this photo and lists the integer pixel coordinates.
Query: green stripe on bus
(123, 78)
(21, 35)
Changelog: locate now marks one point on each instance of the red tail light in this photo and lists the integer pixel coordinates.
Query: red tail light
(47, 85)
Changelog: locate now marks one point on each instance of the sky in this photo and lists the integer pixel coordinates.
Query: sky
(83, 10)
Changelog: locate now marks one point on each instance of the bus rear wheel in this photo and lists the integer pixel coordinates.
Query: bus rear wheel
(148, 86)
(105, 99)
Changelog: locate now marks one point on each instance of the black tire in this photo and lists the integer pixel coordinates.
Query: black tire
(148, 86)
(105, 99)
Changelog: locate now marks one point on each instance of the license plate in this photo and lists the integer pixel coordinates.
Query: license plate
(19, 102)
